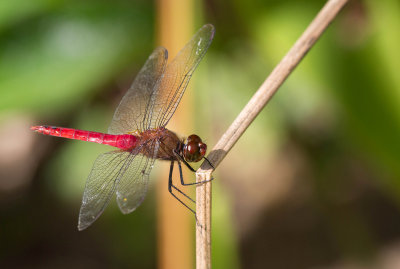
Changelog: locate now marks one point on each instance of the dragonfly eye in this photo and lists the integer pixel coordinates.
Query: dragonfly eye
(203, 149)
(194, 138)
(194, 150)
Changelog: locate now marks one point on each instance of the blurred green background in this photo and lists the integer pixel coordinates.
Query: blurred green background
(313, 183)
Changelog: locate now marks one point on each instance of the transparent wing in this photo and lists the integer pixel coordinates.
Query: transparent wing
(171, 86)
(129, 115)
(101, 183)
(132, 187)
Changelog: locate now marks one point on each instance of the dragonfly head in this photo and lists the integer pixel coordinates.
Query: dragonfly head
(194, 149)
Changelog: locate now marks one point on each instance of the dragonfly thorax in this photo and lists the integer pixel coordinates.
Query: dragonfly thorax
(194, 149)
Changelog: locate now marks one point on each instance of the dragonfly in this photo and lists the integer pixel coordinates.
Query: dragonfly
(138, 130)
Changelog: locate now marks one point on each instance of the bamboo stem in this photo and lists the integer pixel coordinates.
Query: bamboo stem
(174, 230)
(245, 118)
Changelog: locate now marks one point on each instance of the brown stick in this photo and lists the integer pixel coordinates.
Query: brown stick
(246, 116)
(174, 224)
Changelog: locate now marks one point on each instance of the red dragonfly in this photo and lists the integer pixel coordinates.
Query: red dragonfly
(138, 130)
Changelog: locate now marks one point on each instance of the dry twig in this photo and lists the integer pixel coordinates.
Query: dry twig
(246, 116)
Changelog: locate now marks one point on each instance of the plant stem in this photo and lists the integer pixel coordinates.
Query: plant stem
(245, 118)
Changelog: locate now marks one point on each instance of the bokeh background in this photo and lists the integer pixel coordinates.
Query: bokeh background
(313, 183)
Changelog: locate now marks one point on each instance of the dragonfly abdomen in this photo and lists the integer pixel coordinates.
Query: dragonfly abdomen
(124, 141)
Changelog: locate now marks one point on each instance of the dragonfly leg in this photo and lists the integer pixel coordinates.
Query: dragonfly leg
(184, 161)
(189, 166)
(171, 186)
(193, 183)
(209, 162)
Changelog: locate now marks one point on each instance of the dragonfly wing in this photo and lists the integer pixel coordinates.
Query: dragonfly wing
(130, 113)
(171, 86)
(132, 187)
(100, 185)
